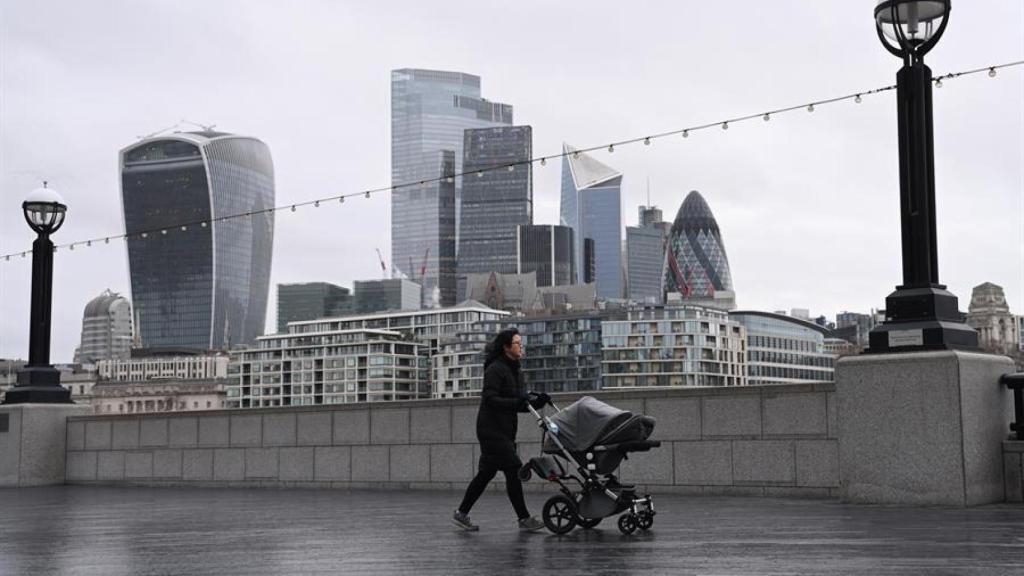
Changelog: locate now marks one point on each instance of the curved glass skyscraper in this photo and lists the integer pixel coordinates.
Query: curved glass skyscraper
(696, 267)
(202, 286)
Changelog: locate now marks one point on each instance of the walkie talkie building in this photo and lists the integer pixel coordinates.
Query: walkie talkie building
(198, 280)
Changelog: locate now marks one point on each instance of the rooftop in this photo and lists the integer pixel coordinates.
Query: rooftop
(108, 531)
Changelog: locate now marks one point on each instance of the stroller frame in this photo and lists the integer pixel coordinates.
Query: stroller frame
(598, 497)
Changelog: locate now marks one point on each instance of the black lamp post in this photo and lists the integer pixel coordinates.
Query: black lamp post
(39, 382)
(921, 314)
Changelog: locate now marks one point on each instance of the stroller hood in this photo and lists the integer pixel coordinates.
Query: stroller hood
(585, 422)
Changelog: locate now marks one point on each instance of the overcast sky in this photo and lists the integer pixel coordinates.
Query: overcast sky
(807, 203)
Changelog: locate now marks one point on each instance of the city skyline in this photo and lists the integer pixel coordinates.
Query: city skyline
(828, 175)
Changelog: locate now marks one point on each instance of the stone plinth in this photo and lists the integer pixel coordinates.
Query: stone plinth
(923, 428)
(33, 443)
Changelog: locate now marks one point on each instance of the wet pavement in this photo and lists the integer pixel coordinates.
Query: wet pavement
(142, 531)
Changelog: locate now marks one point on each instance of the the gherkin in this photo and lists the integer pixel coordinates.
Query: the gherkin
(696, 267)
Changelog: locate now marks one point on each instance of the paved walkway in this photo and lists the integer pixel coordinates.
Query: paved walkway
(140, 531)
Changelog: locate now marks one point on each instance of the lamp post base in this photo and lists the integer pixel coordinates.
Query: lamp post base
(921, 318)
(38, 385)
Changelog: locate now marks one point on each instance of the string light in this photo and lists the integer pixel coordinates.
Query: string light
(685, 133)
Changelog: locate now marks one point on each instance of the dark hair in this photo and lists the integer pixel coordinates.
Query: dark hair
(496, 347)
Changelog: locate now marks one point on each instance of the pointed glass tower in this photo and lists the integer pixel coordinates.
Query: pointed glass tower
(591, 206)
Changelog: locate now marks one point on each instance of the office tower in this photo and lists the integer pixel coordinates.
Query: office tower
(497, 196)
(547, 250)
(106, 329)
(382, 295)
(310, 301)
(198, 281)
(589, 272)
(645, 256)
(697, 269)
(590, 205)
(430, 112)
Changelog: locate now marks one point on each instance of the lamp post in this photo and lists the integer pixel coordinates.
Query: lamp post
(39, 382)
(921, 314)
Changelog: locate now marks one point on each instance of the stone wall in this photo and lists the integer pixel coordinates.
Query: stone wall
(757, 440)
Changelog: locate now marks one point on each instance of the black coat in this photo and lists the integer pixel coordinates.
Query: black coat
(503, 396)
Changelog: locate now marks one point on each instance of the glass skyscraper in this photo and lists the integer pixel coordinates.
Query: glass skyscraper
(198, 285)
(430, 112)
(494, 201)
(591, 206)
(696, 268)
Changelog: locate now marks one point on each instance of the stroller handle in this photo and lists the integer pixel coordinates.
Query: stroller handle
(550, 402)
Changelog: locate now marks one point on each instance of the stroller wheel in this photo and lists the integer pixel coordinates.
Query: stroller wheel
(645, 520)
(559, 514)
(587, 523)
(627, 523)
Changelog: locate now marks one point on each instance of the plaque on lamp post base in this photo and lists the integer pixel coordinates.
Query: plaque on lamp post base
(921, 318)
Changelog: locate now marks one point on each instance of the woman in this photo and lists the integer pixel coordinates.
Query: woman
(503, 396)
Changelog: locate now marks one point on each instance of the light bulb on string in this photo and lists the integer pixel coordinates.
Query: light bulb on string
(145, 235)
(686, 133)
(88, 243)
(341, 199)
(938, 82)
(316, 204)
(725, 125)
(543, 161)
(164, 232)
(992, 72)
(293, 207)
(810, 107)
(106, 240)
(184, 228)
(72, 247)
(511, 168)
(203, 224)
(479, 173)
(766, 117)
(367, 193)
(576, 154)
(611, 148)
(647, 141)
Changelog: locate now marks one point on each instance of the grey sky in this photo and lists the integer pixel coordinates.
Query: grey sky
(807, 203)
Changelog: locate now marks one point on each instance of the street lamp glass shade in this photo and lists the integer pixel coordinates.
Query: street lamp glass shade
(907, 24)
(44, 210)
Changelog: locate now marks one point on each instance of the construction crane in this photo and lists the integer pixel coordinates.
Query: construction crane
(383, 267)
(423, 267)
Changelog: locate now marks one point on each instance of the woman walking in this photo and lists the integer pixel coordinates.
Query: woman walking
(503, 396)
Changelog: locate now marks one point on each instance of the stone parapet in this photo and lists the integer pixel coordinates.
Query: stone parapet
(756, 440)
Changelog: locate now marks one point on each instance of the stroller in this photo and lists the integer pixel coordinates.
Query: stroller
(593, 438)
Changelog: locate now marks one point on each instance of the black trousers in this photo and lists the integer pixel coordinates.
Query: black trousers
(512, 484)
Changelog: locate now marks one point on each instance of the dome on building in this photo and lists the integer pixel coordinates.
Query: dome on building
(100, 306)
(696, 267)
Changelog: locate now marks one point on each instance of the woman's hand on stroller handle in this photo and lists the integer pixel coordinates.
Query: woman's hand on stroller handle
(538, 399)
